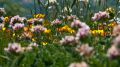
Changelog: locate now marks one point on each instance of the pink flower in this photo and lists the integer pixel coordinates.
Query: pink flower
(14, 48)
(100, 15)
(71, 17)
(18, 26)
(85, 49)
(56, 22)
(82, 32)
(68, 40)
(38, 28)
(17, 19)
(76, 23)
(113, 52)
(79, 24)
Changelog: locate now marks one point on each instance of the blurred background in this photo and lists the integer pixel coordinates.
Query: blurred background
(81, 8)
(17, 7)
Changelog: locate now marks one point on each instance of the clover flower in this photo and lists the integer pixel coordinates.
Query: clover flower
(76, 23)
(85, 50)
(79, 24)
(83, 32)
(17, 19)
(32, 20)
(100, 15)
(35, 21)
(14, 48)
(113, 52)
(56, 22)
(68, 40)
(38, 28)
(82, 64)
(18, 26)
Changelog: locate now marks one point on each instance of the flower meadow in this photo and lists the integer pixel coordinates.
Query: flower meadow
(64, 33)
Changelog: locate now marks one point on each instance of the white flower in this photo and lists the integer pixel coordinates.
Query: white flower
(52, 1)
(66, 9)
(82, 64)
(33, 45)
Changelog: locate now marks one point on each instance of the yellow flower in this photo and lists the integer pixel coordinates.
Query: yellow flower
(39, 16)
(13, 34)
(98, 32)
(47, 31)
(70, 30)
(33, 39)
(44, 43)
(3, 28)
(6, 19)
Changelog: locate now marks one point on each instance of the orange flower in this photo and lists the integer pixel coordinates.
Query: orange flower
(26, 29)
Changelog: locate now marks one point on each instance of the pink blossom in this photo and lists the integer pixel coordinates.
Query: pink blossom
(38, 28)
(68, 40)
(56, 22)
(71, 17)
(16, 19)
(113, 52)
(100, 15)
(82, 32)
(85, 49)
(14, 48)
(18, 26)
(76, 23)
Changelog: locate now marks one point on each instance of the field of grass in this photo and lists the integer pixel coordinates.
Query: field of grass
(60, 33)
